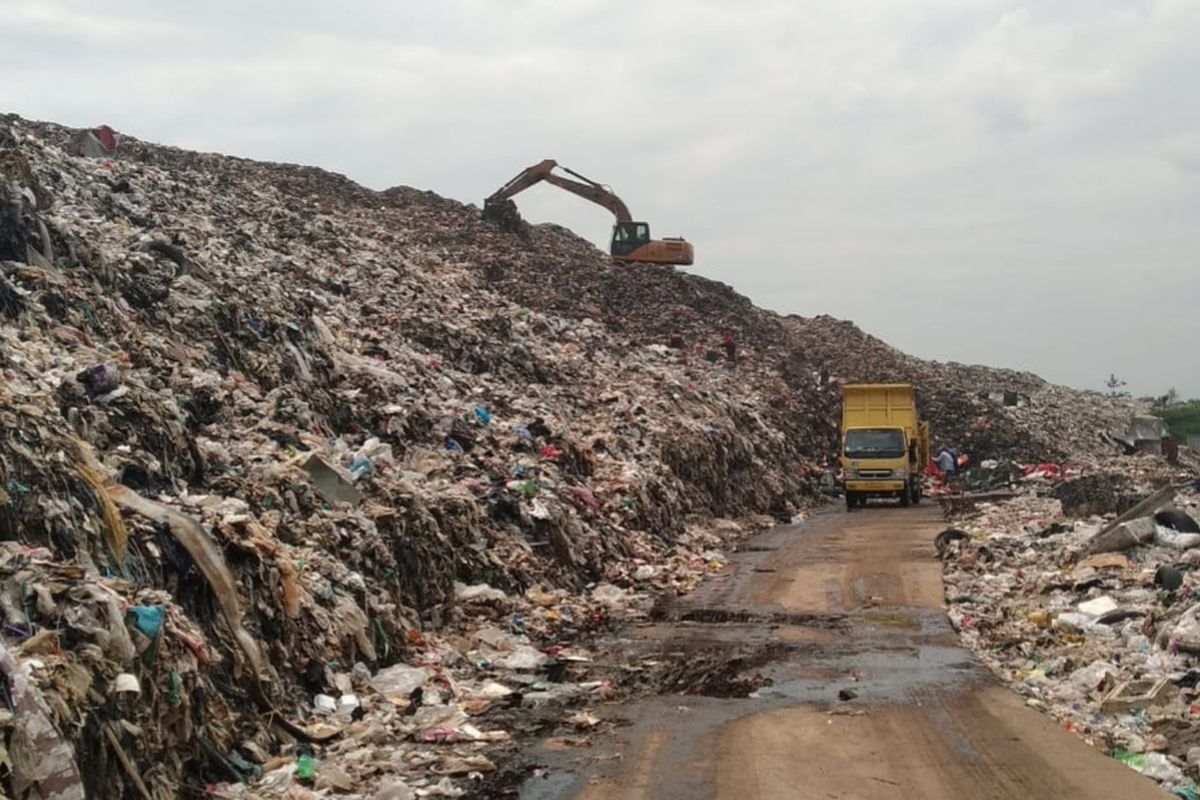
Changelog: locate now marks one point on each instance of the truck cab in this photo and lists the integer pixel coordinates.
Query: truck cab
(876, 462)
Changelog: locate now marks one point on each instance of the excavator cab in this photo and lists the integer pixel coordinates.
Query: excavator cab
(628, 237)
(631, 242)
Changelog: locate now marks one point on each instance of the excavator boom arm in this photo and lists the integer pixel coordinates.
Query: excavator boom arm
(524, 179)
(584, 187)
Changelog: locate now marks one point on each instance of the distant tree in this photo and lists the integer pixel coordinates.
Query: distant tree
(1182, 418)
(1115, 385)
(1171, 398)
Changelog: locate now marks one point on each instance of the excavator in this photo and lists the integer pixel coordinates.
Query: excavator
(630, 240)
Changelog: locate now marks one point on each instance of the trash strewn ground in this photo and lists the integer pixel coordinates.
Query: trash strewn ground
(307, 488)
(1094, 623)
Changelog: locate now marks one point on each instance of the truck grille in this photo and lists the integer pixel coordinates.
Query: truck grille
(874, 473)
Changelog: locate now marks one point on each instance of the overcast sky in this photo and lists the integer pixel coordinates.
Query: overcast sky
(1016, 184)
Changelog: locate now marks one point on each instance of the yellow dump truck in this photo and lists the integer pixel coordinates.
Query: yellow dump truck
(885, 446)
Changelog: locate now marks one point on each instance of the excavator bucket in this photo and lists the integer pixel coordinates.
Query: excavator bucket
(503, 214)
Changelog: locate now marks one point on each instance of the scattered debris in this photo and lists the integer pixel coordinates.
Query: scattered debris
(1107, 642)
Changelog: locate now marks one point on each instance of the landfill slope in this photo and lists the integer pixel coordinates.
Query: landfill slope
(992, 413)
(265, 432)
(259, 425)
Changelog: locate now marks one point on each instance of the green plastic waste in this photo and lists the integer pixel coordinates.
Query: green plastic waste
(306, 769)
(383, 642)
(243, 766)
(1135, 761)
(174, 689)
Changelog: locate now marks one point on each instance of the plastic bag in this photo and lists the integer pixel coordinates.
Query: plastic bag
(523, 658)
(1172, 538)
(1089, 678)
(1160, 768)
(399, 681)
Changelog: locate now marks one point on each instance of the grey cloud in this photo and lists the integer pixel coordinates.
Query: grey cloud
(1183, 152)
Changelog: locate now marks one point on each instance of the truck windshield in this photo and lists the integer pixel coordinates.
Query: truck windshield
(874, 443)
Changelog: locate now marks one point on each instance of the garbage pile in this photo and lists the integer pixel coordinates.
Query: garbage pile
(267, 436)
(993, 414)
(1094, 619)
(258, 426)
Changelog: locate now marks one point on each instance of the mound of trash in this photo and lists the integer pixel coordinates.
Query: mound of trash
(991, 413)
(994, 414)
(265, 435)
(308, 487)
(1093, 618)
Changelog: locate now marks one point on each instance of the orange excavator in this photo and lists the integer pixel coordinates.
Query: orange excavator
(630, 240)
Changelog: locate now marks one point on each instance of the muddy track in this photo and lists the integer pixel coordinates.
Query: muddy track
(820, 665)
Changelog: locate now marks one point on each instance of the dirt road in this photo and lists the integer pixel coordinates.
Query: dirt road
(850, 604)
